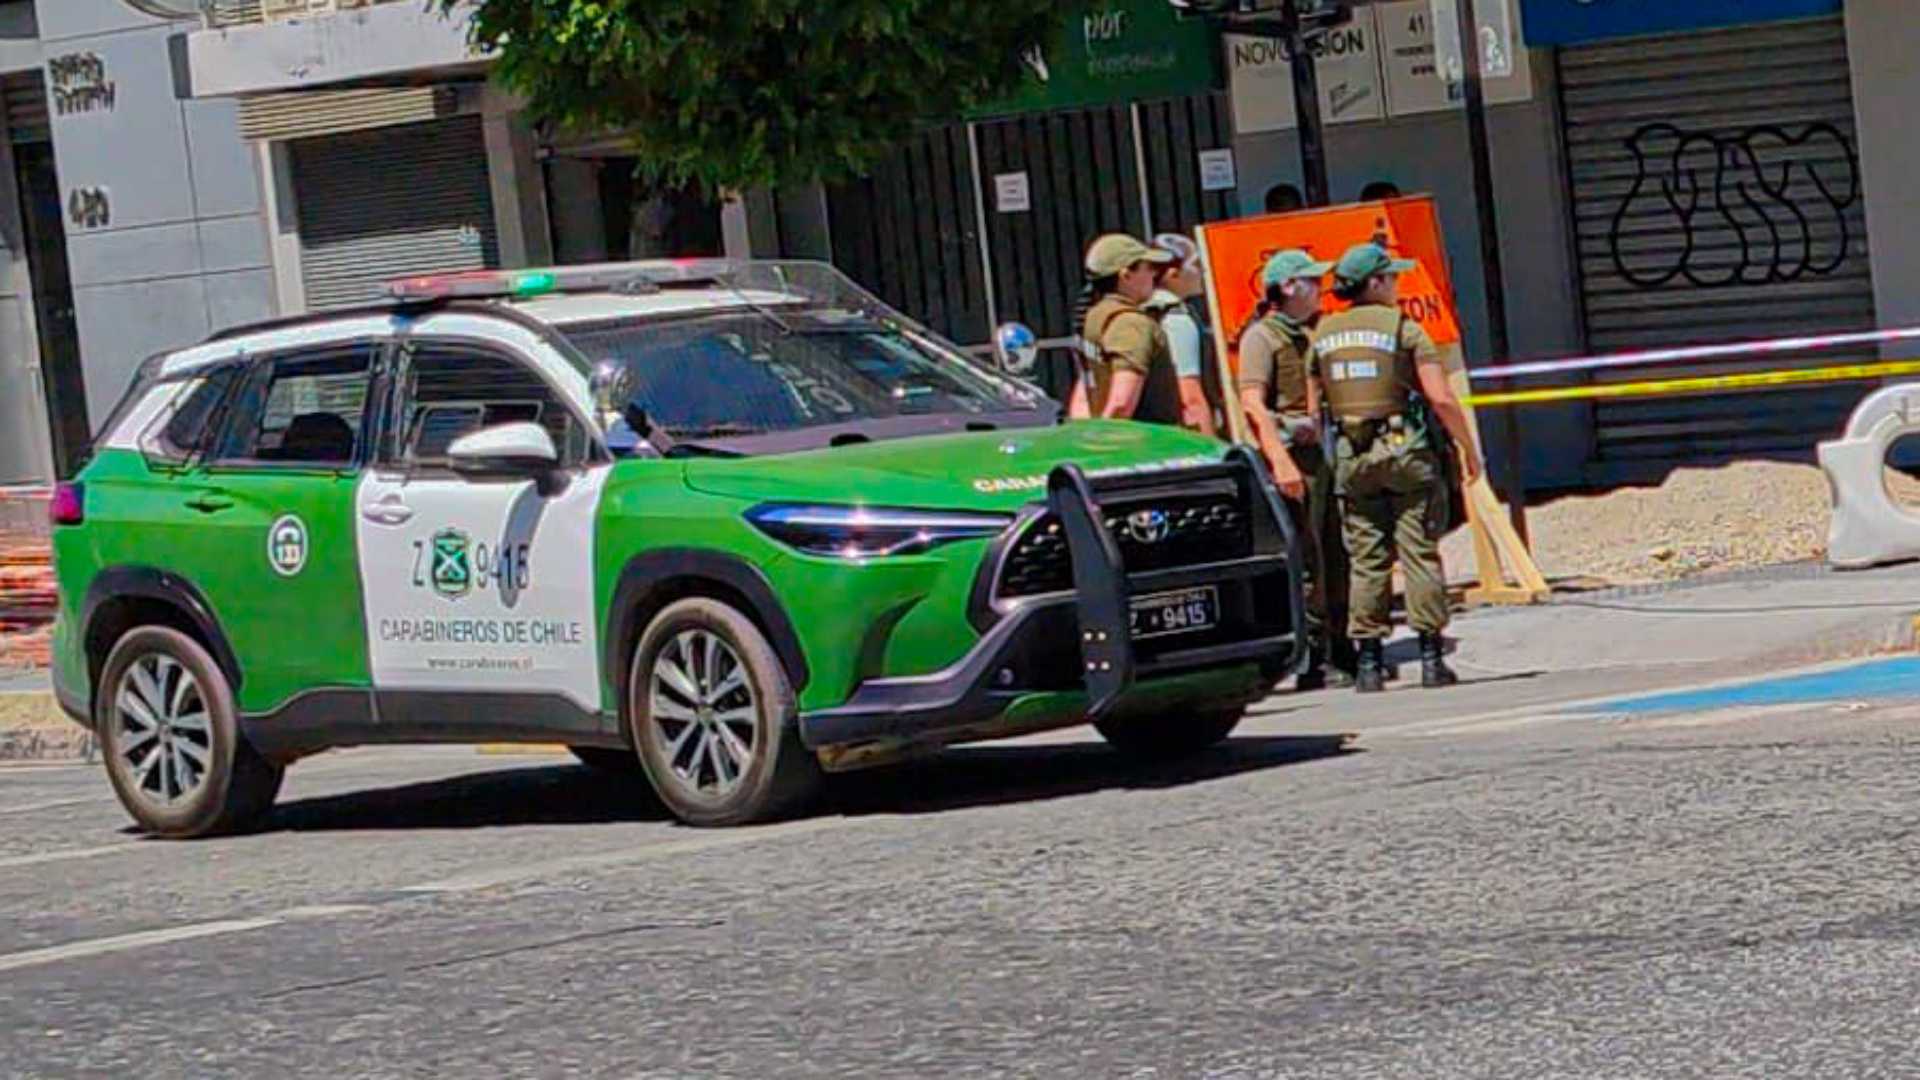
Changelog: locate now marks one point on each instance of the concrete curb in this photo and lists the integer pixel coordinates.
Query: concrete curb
(39, 746)
(33, 729)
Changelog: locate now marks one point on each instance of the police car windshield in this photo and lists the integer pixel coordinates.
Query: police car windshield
(755, 372)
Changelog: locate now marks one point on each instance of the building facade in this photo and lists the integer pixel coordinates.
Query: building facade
(130, 218)
(1663, 173)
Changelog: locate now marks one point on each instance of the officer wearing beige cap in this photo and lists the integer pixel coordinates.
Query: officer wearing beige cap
(1374, 367)
(1128, 357)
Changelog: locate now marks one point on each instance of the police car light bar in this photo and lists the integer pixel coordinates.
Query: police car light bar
(503, 284)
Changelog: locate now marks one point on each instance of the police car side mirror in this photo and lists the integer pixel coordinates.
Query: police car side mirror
(518, 451)
(1015, 349)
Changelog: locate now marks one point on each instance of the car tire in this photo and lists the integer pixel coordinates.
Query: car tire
(170, 733)
(603, 760)
(1158, 738)
(714, 717)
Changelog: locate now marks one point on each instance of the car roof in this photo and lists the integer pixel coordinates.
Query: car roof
(551, 309)
(572, 308)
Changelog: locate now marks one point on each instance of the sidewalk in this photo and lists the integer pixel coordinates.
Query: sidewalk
(1618, 642)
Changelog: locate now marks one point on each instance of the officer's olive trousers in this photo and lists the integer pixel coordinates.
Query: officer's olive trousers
(1318, 522)
(1385, 495)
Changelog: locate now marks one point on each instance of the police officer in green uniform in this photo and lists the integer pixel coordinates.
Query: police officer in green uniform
(1367, 365)
(1128, 356)
(1273, 391)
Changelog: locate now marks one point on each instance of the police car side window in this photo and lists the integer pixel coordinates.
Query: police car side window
(301, 410)
(455, 390)
(188, 426)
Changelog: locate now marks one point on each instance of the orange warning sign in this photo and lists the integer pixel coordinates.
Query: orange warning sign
(1237, 252)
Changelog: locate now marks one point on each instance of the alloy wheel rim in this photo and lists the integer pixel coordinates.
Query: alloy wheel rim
(702, 714)
(165, 735)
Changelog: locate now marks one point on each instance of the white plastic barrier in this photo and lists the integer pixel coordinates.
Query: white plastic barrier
(1869, 528)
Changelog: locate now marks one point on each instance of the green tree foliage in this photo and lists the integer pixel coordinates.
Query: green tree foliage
(731, 94)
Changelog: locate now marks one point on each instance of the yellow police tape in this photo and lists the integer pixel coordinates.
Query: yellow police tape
(1698, 384)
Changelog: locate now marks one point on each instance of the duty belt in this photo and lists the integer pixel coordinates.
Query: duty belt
(1363, 432)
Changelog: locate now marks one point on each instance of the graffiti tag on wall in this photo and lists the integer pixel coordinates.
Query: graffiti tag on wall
(1759, 207)
(79, 83)
(90, 208)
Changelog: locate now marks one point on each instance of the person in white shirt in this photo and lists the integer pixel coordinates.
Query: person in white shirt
(1173, 304)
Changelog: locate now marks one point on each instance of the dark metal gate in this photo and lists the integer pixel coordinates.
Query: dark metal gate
(911, 234)
(912, 231)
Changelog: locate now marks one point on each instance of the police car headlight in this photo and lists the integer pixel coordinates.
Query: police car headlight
(859, 532)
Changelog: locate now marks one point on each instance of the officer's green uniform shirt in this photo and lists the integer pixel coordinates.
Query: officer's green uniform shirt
(1128, 339)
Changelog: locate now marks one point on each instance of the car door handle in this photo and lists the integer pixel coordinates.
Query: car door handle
(210, 502)
(388, 513)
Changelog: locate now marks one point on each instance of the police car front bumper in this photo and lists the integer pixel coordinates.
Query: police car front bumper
(1082, 641)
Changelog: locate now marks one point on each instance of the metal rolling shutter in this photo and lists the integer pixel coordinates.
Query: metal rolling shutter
(375, 205)
(1751, 131)
(305, 114)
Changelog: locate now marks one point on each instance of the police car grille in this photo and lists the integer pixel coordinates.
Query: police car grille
(1198, 529)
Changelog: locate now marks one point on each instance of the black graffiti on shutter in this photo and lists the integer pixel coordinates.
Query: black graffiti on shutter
(1738, 184)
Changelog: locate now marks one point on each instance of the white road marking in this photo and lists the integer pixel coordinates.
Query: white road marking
(488, 879)
(123, 942)
(28, 808)
(323, 911)
(65, 854)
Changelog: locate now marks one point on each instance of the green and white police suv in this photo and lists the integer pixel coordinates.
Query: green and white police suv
(730, 524)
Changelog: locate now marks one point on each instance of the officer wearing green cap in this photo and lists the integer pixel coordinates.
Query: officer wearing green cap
(1273, 391)
(1367, 365)
(1129, 360)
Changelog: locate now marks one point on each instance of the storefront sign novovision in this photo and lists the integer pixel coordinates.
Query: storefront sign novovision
(1568, 22)
(1116, 51)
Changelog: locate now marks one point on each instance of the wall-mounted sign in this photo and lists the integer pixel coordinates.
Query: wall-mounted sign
(1567, 22)
(1216, 171)
(1117, 51)
(78, 83)
(1346, 59)
(1494, 21)
(1410, 54)
(1012, 194)
(90, 207)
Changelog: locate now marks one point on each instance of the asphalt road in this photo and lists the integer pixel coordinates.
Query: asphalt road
(1458, 894)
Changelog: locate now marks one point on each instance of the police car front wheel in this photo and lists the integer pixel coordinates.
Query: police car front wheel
(170, 733)
(712, 714)
(1157, 738)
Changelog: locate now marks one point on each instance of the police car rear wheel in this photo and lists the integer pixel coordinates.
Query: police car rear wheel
(1156, 738)
(713, 716)
(169, 730)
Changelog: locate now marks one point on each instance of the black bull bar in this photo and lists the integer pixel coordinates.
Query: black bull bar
(1101, 583)
(964, 694)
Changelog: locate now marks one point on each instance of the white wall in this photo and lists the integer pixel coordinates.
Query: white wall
(1883, 39)
(185, 252)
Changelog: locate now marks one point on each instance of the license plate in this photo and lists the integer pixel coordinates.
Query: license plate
(1186, 611)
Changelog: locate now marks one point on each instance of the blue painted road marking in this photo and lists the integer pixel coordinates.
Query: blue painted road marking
(1877, 679)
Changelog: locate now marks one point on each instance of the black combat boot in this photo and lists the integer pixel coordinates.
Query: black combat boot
(1372, 677)
(1434, 671)
(1314, 676)
(1343, 662)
